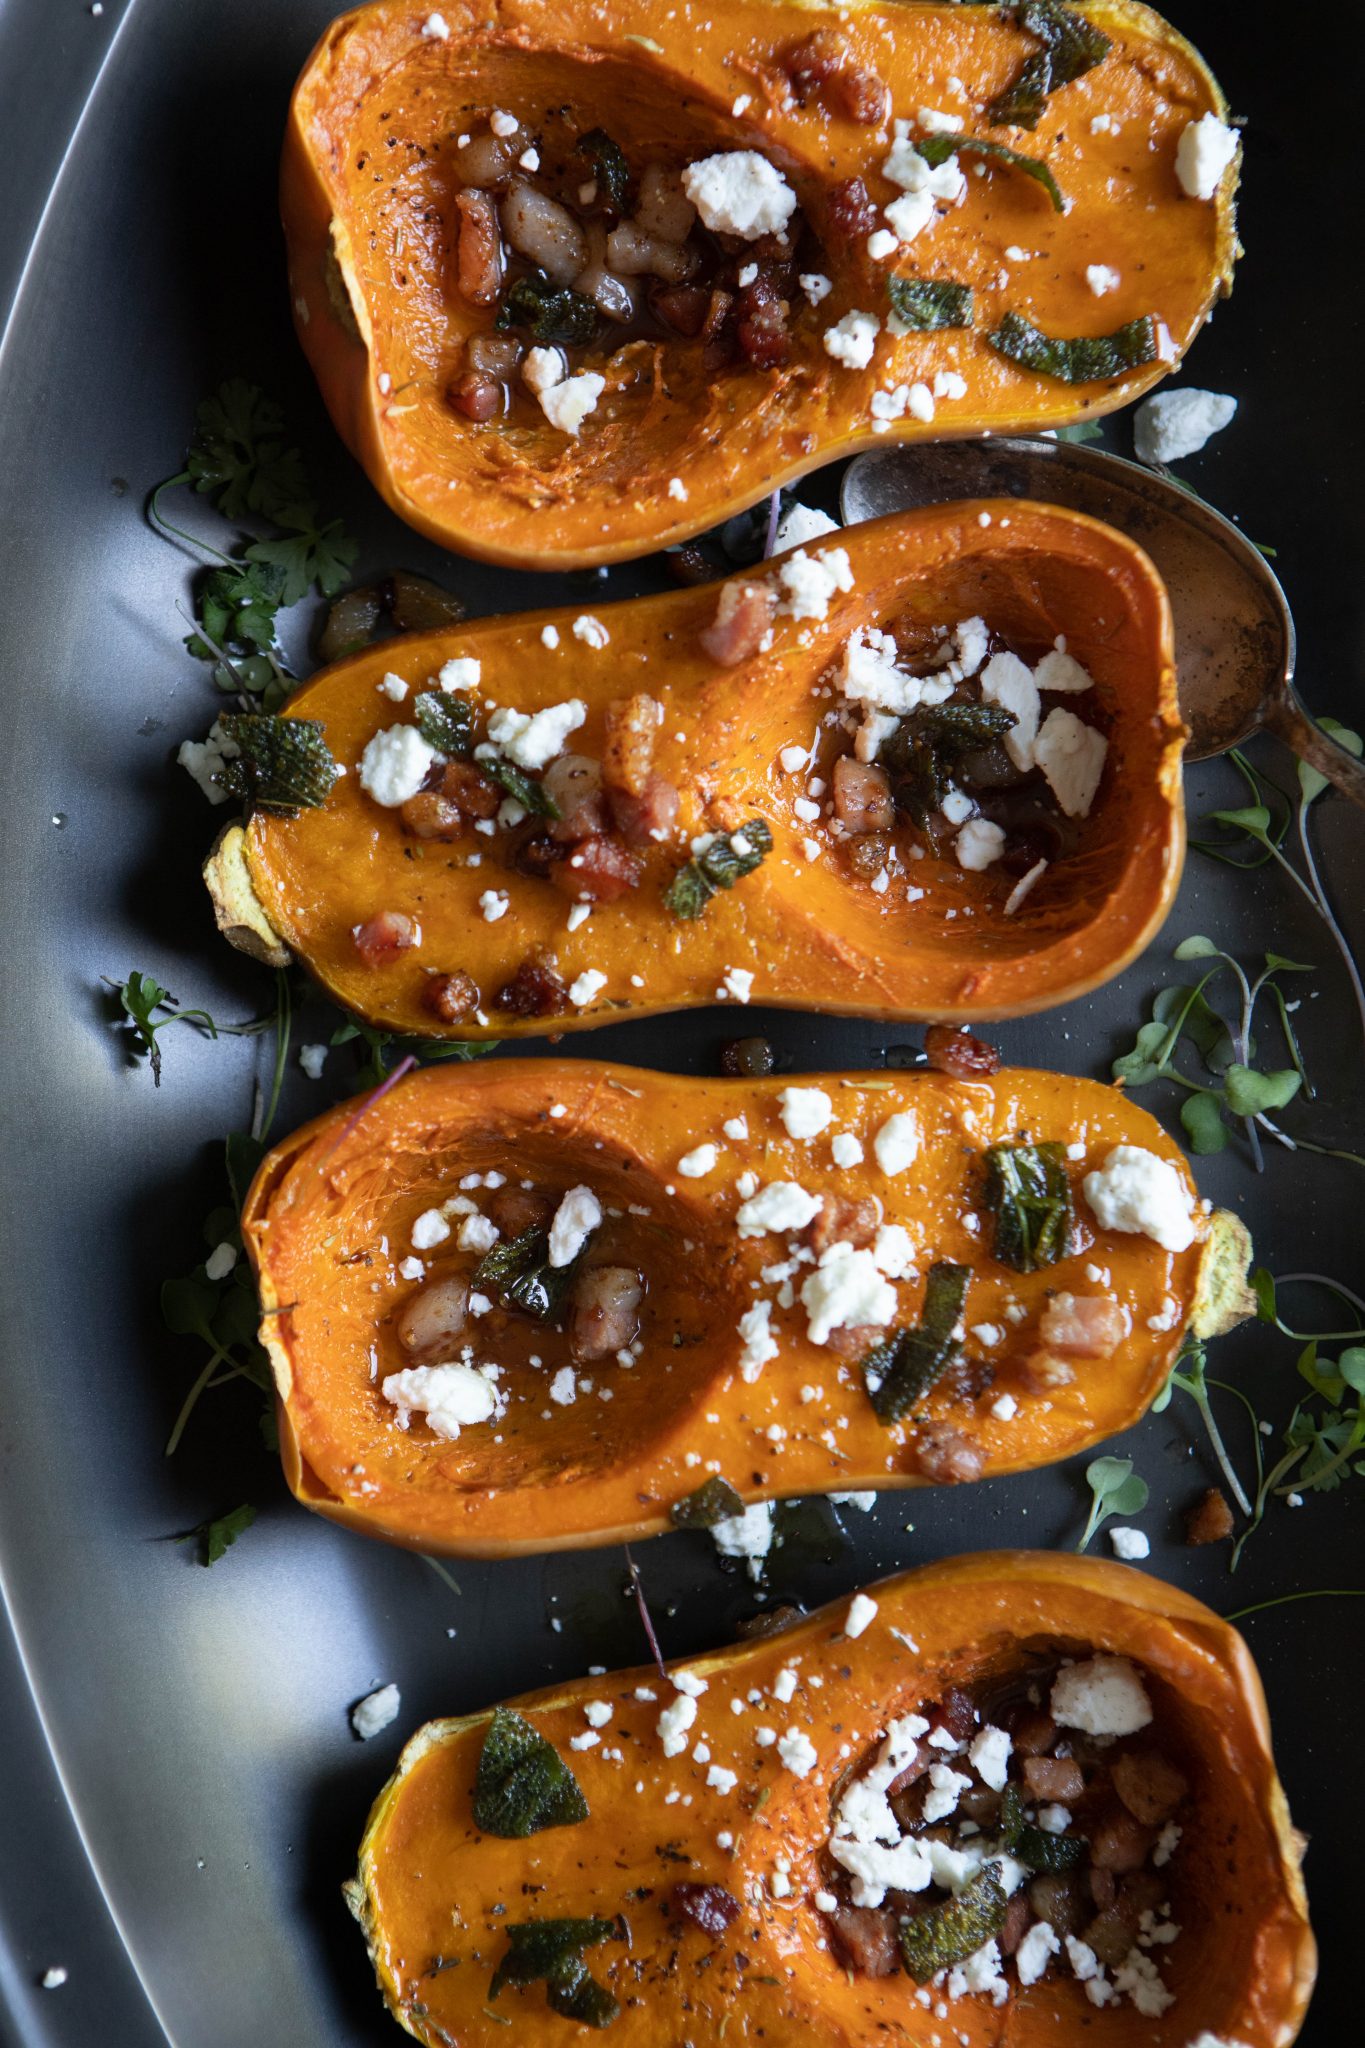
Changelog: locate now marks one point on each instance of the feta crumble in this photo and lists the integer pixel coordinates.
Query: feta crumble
(797, 1752)
(1140, 1194)
(1071, 755)
(452, 1397)
(896, 1144)
(1205, 149)
(533, 740)
(586, 987)
(1130, 1544)
(1178, 423)
(394, 765)
(738, 192)
(846, 1291)
(1103, 1696)
(802, 523)
(862, 1611)
(759, 1343)
(810, 581)
(374, 1713)
(578, 1215)
(748, 1535)
(805, 1111)
(696, 1164)
(850, 341)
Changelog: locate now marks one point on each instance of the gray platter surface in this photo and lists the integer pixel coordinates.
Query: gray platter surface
(182, 1792)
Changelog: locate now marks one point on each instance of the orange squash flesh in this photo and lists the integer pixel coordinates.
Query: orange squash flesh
(431, 1885)
(332, 1210)
(366, 195)
(812, 935)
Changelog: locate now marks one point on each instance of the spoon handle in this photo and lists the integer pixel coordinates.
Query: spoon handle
(1287, 719)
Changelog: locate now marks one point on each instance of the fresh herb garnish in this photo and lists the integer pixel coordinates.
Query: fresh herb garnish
(523, 1784)
(1116, 1489)
(387, 1049)
(1035, 1846)
(281, 764)
(444, 722)
(607, 163)
(901, 1370)
(552, 1952)
(523, 789)
(1080, 431)
(1081, 359)
(924, 752)
(519, 1271)
(240, 460)
(720, 866)
(548, 312)
(948, 1934)
(936, 149)
(140, 997)
(1071, 47)
(216, 1538)
(714, 1501)
(1028, 1192)
(926, 304)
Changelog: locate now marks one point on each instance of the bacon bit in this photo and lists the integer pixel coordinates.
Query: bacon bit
(762, 329)
(451, 997)
(535, 856)
(428, 815)
(597, 871)
(649, 818)
(956, 1712)
(475, 396)
(710, 1905)
(1210, 1519)
(854, 1340)
(850, 212)
(1120, 1843)
(684, 308)
(604, 1311)
(1054, 1777)
(864, 1939)
(743, 616)
(1083, 1326)
(1035, 1734)
(535, 990)
(383, 938)
(844, 1219)
(478, 268)
(1018, 1917)
(717, 313)
(516, 1210)
(628, 749)
(945, 1456)
(959, 1053)
(823, 67)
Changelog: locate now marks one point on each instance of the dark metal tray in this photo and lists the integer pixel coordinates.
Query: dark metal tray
(176, 1740)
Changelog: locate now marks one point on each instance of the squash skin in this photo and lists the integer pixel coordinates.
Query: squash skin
(591, 1474)
(530, 496)
(814, 937)
(1243, 1967)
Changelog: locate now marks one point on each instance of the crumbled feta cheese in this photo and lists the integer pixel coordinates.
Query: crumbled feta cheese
(1009, 683)
(688, 1682)
(549, 637)
(461, 672)
(737, 982)
(851, 340)
(882, 244)
(805, 1111)
(1103, 1696)
(494, 903)
(846, 1291)
(810, 581)
(534, 740)
(1130, 1544)
(393, 687)
(374, 1713)
(865, 1500)
(1061, 672)
(677, 489)
(1139, 1979)
(946, 1787)
(576, 1218)
(502, 124)
(589, 1739)
(739, 193)
(202, 759)
(782, 1205)
(54, 1978)
(797, 1752)
(721, 1780)
(894, 1250)
(845, 1149)
(1178, 423)
(935, 123)
(862, 1611)
(1004, 1408)
(989, 1755)
(908, 217)
(908, 169)
(1101, 278)
(978, 844)
(429, 1230)
(1071, 756)
(542, 369)
(783, 1687)
(674, 1722)
(1034, 1952)
(566, 405)
(1204, 151)
(394, 765)
(1023, 886)
(896, 1144)
(597, 1713)
(434, 28)
(1139, 1193)
(802, 523)
(815, 286)
(586, 987)
(696, 1164)
(312, 1059)
(564, 1387)
(736, 1127)
(759, 1343)
(452, 1397)
(748, 1535)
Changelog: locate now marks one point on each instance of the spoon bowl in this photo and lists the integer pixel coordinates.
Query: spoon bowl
(1234, 633)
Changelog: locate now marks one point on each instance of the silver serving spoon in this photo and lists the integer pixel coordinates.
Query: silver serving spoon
(1234, 635)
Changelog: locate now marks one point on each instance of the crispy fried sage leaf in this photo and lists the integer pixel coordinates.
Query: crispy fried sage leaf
(716, 1501)
(609, 167)
(1028, 1192)
(519, 1270)
(949, 1933)
(936, 149)
(533, 796)
(909, 1362)
(925, 748)
(1071, 47)
(551, 1952)
(549, 312)
(929, 303)
(1083, 360)
(719, 867)
(523, 1784)
(444, 722)
(281, 764)
(1032, 1845)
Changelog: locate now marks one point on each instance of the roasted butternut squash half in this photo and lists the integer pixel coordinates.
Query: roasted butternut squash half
(926, 767)
(540, 1304)
(850, 1831)
(576, 283)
